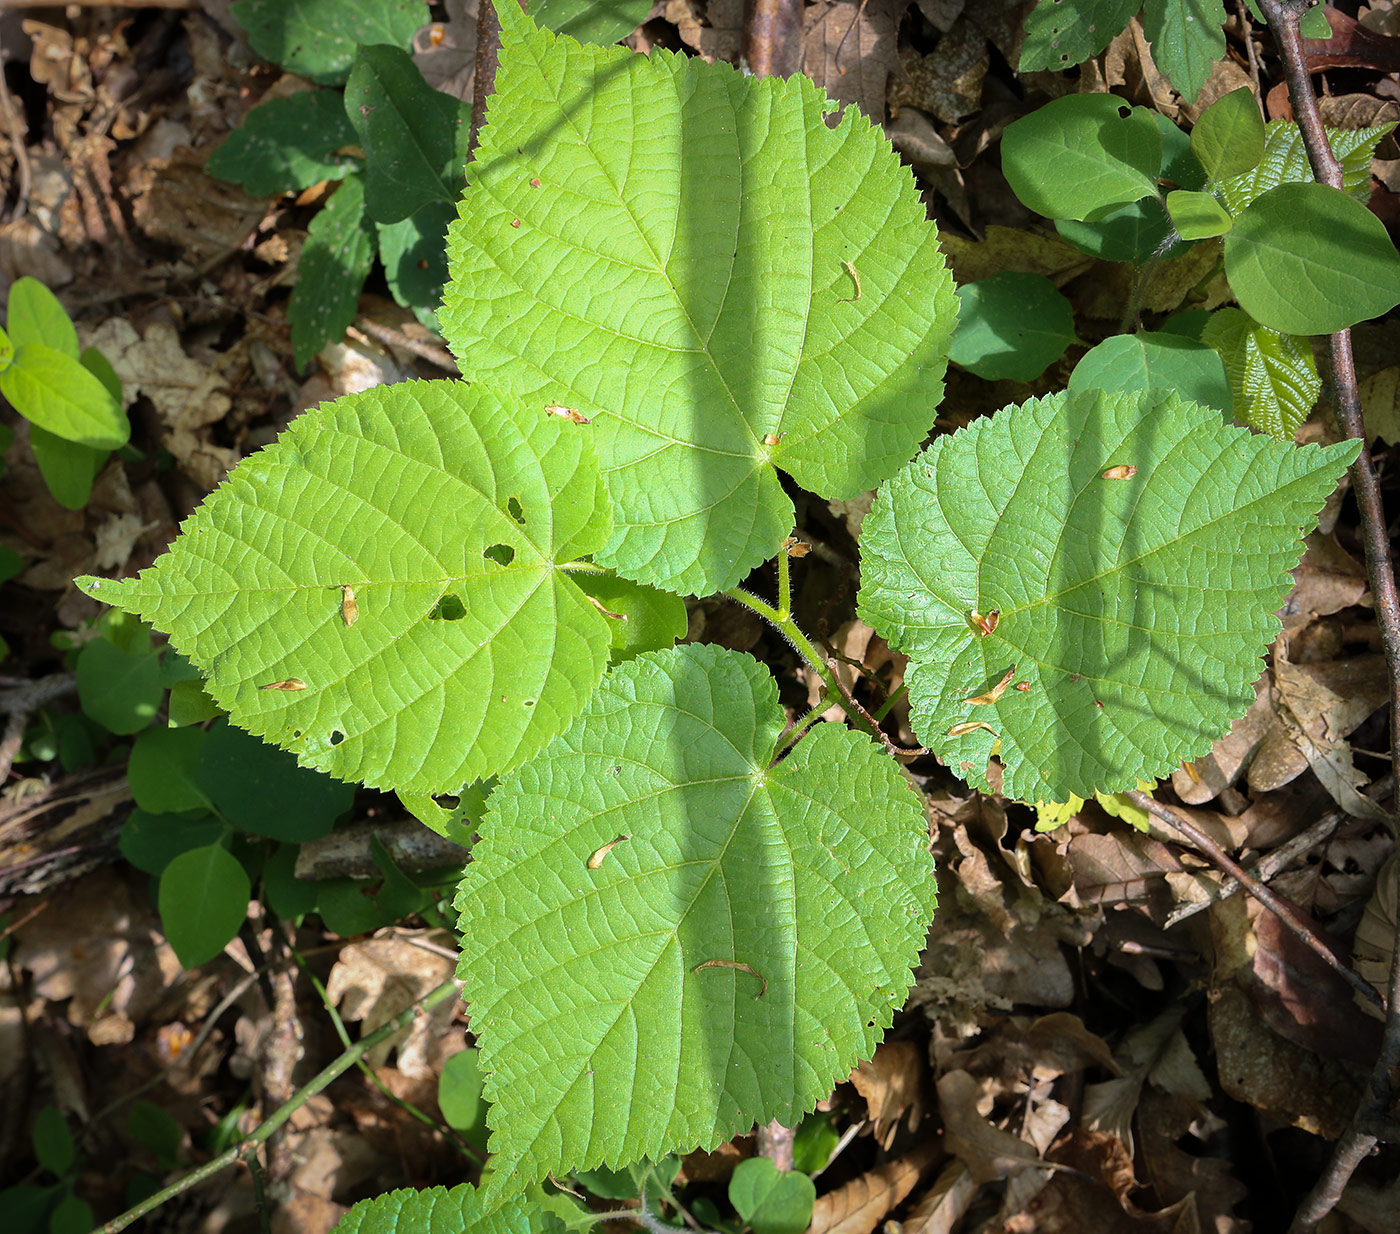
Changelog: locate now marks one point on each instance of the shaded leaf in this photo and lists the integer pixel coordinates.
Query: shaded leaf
(318, 38)
(1060, 35)
(203, 901)
(592, 21)
(1011, 325)
(287, 144)
(1187, 39)
(1155, 363)
(331, 271)
(769, 1200)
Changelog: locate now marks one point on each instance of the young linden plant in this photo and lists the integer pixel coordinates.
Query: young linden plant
(683, 919)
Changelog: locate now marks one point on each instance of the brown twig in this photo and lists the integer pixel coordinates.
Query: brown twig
(1285, 910)
(1374, 1109)
(852, 703)
(488, 50)
(773, 37)
(775, 1141)
(421, 348)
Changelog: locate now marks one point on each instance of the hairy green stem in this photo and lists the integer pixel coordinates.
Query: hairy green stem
(781, 620)
(265, 1131)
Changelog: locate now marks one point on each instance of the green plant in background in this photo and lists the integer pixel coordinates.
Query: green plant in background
(676, 893)
(396, 145)
(1122, 186)
(70, 395)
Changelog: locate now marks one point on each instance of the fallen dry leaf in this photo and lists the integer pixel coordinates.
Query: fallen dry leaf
(944, 1204)
(988, 1152)
(858, 1207)
(893, 1085)
(848, 49)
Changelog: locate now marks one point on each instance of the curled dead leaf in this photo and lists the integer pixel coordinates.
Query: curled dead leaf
(292, 683)
(1121, 472)
(349, 608)
(995, 693)
(596, 859)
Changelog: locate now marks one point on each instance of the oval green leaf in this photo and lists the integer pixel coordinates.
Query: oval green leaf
(1155, 363)
(1135, 606)
(721, 938)
(1011, 326)
(53, 390)
(1082, 155)
(685, 284)
(120, 690)
(68, 468)
(445, 666)
(769, 1200)
(318, 38)
(1307, 259)
(36, 316)
(203, 900)
(1197, 216)
(1228, 139)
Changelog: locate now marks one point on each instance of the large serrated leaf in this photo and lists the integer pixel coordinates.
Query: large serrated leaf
(1059, 35)
(1134, 607)
(318, 38)
(1273, 376)
(670, 939)
(442, 665)
(286, 144)
(1187, 39)
(661, 244)
(440, 1211)
(1285, 161)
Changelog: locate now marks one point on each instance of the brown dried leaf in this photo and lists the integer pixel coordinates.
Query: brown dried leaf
(860, 1205)
(988, 1152)
(849, 50)
(944, 1204)
(1164, 1123)
(947, 83)
(374, 980)
(893, 1085)
(1204, 778)
(1010, 248)
(1375, 935)
(715, 30)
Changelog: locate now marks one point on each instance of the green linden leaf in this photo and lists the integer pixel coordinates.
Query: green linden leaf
(1308, 259)
(1059, 35)
(1156, 363)
(1285, 161)
(720, 939)
(332, 270)
(1197, 216)
(408, 130)
(1187, 38)
(287, 144)
(1082, 156)
(592, 21)
(440, 1211)
(1134, 607)
(317, 38)
(1273, 376)
(1011, 325)
(464, 646)
(1228, 139)
(665, 247)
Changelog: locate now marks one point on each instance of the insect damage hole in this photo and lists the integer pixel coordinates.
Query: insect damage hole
(449, 608)
(516, 511)
(336, 736)
(501, 554)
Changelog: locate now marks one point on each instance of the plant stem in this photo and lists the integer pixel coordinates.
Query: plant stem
(781, 620)
(1357, 1141)
(270, 1126)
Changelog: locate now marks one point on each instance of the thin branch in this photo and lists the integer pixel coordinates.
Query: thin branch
(1374, 1109)
(775, 1142)
(1285, 910)
(265, 1131)
(773, 37)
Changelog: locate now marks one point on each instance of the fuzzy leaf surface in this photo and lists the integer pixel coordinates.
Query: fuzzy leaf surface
(659, 244)
(1136, 608)
(1273, 376)
(726, 962)
(1285, 161)
(456, 666)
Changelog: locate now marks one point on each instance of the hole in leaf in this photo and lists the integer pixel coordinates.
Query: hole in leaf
(1124, 111)
(515, 510)
(336, 736)
(448, 801)
(529, 702)
(501, 554)
(449, 608)
(296, 732)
